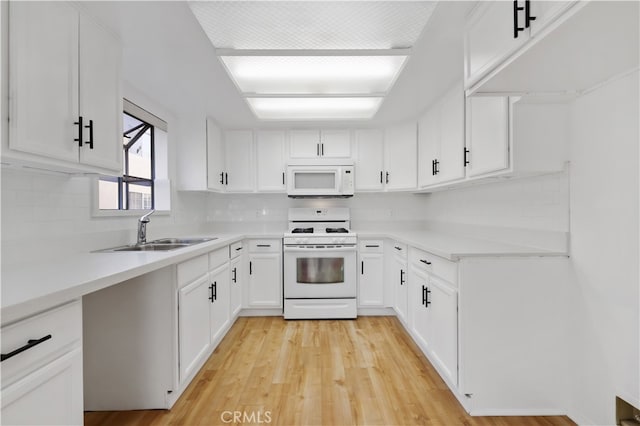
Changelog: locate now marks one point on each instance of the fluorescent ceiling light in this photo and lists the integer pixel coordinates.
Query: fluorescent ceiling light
(314, 74)
(333, 108)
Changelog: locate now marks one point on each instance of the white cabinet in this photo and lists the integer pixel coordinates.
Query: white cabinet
(487, 134)
(399, 282)
(220, 300)
(270, 160)
(401, 167)
(326, 143)
(42, 384)
(194, 324)
(371, 277)
(265, 274)
(441, 140)
(433, 304)
(215, 157)
(70, 117)
(237, 267)
(239, 169)
(490, 37)
(369, 162)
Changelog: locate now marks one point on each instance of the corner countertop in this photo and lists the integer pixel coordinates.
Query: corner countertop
(30, 287)
(452, 247)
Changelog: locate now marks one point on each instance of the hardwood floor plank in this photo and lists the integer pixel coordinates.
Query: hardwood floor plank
(366, 371)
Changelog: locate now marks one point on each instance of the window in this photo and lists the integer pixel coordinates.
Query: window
(143, 144)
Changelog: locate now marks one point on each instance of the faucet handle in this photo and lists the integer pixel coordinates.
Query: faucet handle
(145, 218)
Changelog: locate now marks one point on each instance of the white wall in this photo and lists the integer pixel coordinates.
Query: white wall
(604, 238)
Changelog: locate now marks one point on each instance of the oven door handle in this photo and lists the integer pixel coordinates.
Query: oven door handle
(319, 249)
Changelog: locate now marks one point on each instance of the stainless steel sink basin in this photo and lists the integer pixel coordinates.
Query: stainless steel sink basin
(188, 241)
(164, 244)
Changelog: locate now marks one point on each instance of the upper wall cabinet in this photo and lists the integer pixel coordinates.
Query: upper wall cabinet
(270, 160)
(401, 145)
(369, 160)
(320, 144)
(215, 157)
(569, 48)
(239, 168)
(65, 110)
(441, 150)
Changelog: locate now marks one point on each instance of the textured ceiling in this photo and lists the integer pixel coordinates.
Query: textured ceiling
(312, 24)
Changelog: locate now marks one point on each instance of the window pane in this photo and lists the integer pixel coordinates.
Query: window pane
(140, 157)
(139, 197)
(108, 195)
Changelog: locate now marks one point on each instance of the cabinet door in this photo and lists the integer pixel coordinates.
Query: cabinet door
(401, 290)
(43, 75)
(219, 307)
(428, 146)
(237, 281)
(369, 163)
(487, 134)
(238, 148)
(270, 158)
(371, 280)
(100, 97)
(51, 395)
(451, 156)
(443, 332)
(215, 157)
(489, 39)
(335, 143)
(420, 320)
(304, 143)
(265, 280)
(194, 328)
(401, 148)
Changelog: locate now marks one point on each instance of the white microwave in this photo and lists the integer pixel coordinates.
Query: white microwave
(320, 180)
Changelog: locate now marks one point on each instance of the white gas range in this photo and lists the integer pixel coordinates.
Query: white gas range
(319, 264)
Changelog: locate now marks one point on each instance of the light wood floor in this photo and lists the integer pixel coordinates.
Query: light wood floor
(366, 372)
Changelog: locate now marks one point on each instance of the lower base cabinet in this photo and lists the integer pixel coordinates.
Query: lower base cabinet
(42, 385)
(264, 288)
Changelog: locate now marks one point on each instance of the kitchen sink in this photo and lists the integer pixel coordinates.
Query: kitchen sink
(164, 244)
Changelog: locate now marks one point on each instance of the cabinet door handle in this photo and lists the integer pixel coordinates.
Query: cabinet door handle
(226, 178)
(397, 248)
(30, 344)
(362, 267)
(318, 149)
(427, 293)
(426, 262)
(250, 269)
(322, 149)
(380, 176)
(263, 245)
(235, 275)
(211, 293)
(516, 28)
(466, 158)
(221, 178)
(387, 178)
(436, 163)
(80, 128)
(283, 178)
(215, 290)
(372, 246)
(527, 14)
(238, 248)
(424, 296)
(401, 277)
(90, 127)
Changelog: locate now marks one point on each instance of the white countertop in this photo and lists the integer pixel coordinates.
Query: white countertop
(452, 247)
(32, 287)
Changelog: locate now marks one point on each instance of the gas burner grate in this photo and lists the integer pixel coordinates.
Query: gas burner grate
(302, 231)
(336, 231)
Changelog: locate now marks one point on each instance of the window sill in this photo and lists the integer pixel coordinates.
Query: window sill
(127, 213)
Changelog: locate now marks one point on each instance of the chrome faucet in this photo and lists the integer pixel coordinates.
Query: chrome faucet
(142, 227)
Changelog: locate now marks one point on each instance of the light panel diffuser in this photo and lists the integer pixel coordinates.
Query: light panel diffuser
(333, 108)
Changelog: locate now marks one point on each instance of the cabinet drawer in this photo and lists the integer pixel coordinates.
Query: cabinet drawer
(218, 257)
(371, 246)
(435, 265)
(399, 249)
(266, 245)
(235, 249)
(58, 329)
(192, 269)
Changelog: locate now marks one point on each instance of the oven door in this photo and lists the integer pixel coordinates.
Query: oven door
(319, 272)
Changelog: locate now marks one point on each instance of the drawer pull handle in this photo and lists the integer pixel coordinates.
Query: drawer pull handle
(372, 246)
(426, 262)
(239, 248)
(397, 248)
(30, 343)
(264, 245)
